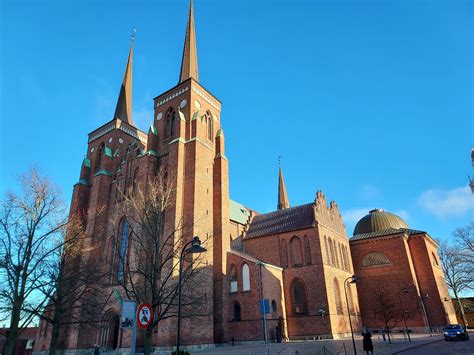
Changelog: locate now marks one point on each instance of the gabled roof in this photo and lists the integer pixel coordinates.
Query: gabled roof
(386, 232)
(291, 219)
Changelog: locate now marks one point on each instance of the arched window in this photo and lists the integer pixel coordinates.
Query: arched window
(341, 257)
(328, 261)
(245, 278)
(375, 258)
(123, 250)
(346, 258)
(298, 298)
(134, 182)
(337, 297)
(296, 257)
(119, 188)
(236, 311)
(208, 118)
(98, 159)
(170, 122)
(283, 253)
(435, 259)
(350, 299)
(307, 251)
(233, 279)
(274, 306)
(331, 253)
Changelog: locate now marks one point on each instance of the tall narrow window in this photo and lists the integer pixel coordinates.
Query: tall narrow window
(350, 299)
(307, 250)
(236, 311)
(98, 159)
(119, 188)
(331, 253)
(337, 297)
(209, 125)
(233, 279)
(112, 257)
(298, 298)
(170, 122)
(326, 246)
(296, 256)
(134, 182)
(123, 250)
(283, 253)
(245, 278)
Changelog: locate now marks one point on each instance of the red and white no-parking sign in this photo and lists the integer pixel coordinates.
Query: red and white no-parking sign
(144, 316)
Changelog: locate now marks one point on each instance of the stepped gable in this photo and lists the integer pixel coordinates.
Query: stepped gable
(281, 221)
(328, 215)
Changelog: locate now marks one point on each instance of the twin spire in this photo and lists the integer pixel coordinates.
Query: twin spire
(189, 69)
(283, 201)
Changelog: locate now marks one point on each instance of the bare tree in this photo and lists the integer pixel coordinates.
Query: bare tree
(30, 237)
(465, 241)
(386, 309)
(148, 272)
(457, 274)
(73, 292)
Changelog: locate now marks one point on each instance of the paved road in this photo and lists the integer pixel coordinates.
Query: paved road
(444, 348)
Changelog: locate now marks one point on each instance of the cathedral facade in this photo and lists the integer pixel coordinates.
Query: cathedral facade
(298, 258)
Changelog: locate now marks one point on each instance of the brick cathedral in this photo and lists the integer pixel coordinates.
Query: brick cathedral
(299, 258)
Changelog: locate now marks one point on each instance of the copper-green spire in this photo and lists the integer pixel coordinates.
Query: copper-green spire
(123, 110)
(283, 202)
(189, 63)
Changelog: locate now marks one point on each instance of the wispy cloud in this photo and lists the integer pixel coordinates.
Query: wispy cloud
(446, 203)
(353, 215)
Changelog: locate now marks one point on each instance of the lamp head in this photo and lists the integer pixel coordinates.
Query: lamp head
(405, 290)
(195, 247)
(354, 279)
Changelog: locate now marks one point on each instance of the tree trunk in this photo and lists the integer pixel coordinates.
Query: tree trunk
(461, 309)
(53, 344)
(13, 332)
(147, 340)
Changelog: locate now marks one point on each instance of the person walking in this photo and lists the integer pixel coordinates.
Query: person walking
(367, 343)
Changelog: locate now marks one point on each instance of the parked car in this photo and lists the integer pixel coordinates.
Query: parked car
(455, 331)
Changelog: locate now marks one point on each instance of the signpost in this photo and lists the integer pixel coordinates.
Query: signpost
(144, 316)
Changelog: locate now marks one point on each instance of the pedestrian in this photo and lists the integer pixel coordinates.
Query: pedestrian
(367, 343)
(96, 349)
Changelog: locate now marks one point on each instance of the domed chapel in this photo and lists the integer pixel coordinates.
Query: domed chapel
(300, 258)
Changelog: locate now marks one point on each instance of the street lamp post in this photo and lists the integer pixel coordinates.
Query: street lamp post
(404, 290)
(353, 279)
(193, 249)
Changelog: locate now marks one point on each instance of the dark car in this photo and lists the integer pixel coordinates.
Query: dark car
(455, 331)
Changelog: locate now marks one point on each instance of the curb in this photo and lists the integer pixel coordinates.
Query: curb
(417, 346)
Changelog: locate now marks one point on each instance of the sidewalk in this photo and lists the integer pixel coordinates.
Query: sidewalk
(327, 347)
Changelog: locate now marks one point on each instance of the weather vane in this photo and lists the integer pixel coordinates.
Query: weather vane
(279, 160)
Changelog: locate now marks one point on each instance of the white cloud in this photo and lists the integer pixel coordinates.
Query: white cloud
(353, 216)
(446, 203)
(403, 214)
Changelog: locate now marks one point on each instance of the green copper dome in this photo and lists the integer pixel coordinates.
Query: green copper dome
(378, 220)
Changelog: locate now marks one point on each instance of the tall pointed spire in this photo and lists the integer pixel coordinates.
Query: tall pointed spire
(123, 110)
(283, 202)
(189, 63)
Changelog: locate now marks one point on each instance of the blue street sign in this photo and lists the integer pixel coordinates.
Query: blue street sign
(264, 306)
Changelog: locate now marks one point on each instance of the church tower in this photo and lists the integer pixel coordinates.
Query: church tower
(188, 139)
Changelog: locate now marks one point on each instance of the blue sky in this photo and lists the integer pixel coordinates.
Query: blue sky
(369, 101)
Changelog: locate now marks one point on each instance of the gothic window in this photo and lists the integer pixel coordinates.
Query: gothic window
(307, 251)
(236, 311)
(341, 257)
(118, 188)
(375, 258)
(233, 279)
(112, 257)
(328, 261)
(296, 257)
(170, 122)
(337, 297)
(208, 118)
(298, 298)
(283, 253)
(98, 159)
(350, 299)
(134, 182)
(331, 253)
(123, 249)
(245, 278)
(346, 258)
